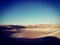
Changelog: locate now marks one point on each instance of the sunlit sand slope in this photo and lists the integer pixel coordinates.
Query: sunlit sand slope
(35, 34)
(55, 34)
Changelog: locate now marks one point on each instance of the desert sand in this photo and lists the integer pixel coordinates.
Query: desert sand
(36, 34)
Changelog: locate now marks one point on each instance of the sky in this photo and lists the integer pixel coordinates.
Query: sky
(29, 12)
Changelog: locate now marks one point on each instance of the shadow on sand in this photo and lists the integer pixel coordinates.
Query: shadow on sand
(6, 40)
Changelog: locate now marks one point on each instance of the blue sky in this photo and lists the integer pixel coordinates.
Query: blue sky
(26, 13)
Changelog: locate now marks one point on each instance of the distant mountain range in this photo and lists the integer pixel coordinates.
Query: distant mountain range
(31, 26)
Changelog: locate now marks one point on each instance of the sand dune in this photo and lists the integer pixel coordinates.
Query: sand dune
(55, 34)
(35, 34)
(31, 31)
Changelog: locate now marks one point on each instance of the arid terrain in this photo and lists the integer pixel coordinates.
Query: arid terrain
(36, 34)
(32, 31)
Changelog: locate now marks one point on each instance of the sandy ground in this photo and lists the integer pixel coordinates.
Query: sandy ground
(36, 34)
(55, 34)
